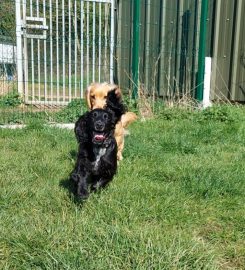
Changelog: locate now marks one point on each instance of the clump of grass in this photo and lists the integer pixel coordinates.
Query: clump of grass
(12, 99)
(71, 112)
(223, 113)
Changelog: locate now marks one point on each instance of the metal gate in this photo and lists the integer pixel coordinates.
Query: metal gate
(62, 46)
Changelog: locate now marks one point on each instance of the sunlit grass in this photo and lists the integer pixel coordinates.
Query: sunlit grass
(177, 201)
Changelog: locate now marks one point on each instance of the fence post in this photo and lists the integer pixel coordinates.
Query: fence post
(19, 47)
(112, 40)
(201, 53)
(135, 53)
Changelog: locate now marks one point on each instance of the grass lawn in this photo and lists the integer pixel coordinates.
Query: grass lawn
(177, 201)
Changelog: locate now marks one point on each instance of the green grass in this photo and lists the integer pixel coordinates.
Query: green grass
(177, 201)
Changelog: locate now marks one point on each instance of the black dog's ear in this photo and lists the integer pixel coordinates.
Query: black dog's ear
(81, 128)
(114, 103)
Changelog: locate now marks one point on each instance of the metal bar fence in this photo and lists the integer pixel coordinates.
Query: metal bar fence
(69, 45)
(58, 51)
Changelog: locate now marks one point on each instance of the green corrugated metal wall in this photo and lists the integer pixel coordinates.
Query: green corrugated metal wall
(168, 45)
(169, 36)
(228, 71)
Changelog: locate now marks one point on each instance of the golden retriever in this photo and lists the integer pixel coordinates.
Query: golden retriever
(96, 97)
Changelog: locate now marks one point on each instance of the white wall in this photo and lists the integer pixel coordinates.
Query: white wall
(7, 54)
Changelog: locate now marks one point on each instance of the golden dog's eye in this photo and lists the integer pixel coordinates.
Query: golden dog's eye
(93, 96)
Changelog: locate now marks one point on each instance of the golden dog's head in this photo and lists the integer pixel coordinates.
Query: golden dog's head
(96, 94)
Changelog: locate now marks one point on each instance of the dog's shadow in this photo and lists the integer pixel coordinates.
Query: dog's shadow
(68, 184)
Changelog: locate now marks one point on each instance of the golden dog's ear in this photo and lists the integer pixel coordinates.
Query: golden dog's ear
(88, 93)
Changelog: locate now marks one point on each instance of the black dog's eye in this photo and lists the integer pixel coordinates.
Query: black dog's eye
(105, 116)
(95, 114)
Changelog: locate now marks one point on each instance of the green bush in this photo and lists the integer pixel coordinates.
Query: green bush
(11, 99)
(222, 113)
(71, 112)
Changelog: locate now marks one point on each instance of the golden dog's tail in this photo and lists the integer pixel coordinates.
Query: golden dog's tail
(128, 118)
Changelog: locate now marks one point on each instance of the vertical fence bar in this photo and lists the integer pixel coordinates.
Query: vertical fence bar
(57, 54)
(19, 46)
(147, 51)
(178, 84)
(105, 43)
(162, 51)
(136, 36)
(51, 47)
(201, 53)
(63, 49)
(112, 41)
(75, 49)
(38, 59)
(82, 18)
(87, 43)
(93, 41)
(32, 58)
(99, 40)
(25, 50)
(194, 45)
(45, 56)
(235, 59)
(69, 44)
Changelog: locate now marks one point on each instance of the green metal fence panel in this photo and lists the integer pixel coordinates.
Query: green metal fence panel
(227, 50)
(237, 77)
(168, 50)
(123, 46)
(223, 31)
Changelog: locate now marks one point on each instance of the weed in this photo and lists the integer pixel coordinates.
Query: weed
(71, 112)
(222, 113)
(12, 99)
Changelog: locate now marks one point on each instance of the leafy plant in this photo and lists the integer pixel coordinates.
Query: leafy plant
(221, 113)
(71, 112)
(11, 99)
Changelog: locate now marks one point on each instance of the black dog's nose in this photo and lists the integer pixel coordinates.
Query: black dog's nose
(99, 125)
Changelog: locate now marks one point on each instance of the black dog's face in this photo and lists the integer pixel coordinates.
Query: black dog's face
(101, 124)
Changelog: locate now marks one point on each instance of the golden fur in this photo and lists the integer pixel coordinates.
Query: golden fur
(96, 95)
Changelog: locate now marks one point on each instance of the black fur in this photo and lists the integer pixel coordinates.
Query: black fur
(115, 103)
(97, 154)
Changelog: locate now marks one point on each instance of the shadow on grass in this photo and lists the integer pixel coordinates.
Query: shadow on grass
(73, 155)
(69, 184)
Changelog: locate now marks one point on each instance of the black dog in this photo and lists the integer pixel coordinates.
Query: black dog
(97, 155)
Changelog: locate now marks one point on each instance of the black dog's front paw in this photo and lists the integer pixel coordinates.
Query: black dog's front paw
(83, 194)
(74, 177)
